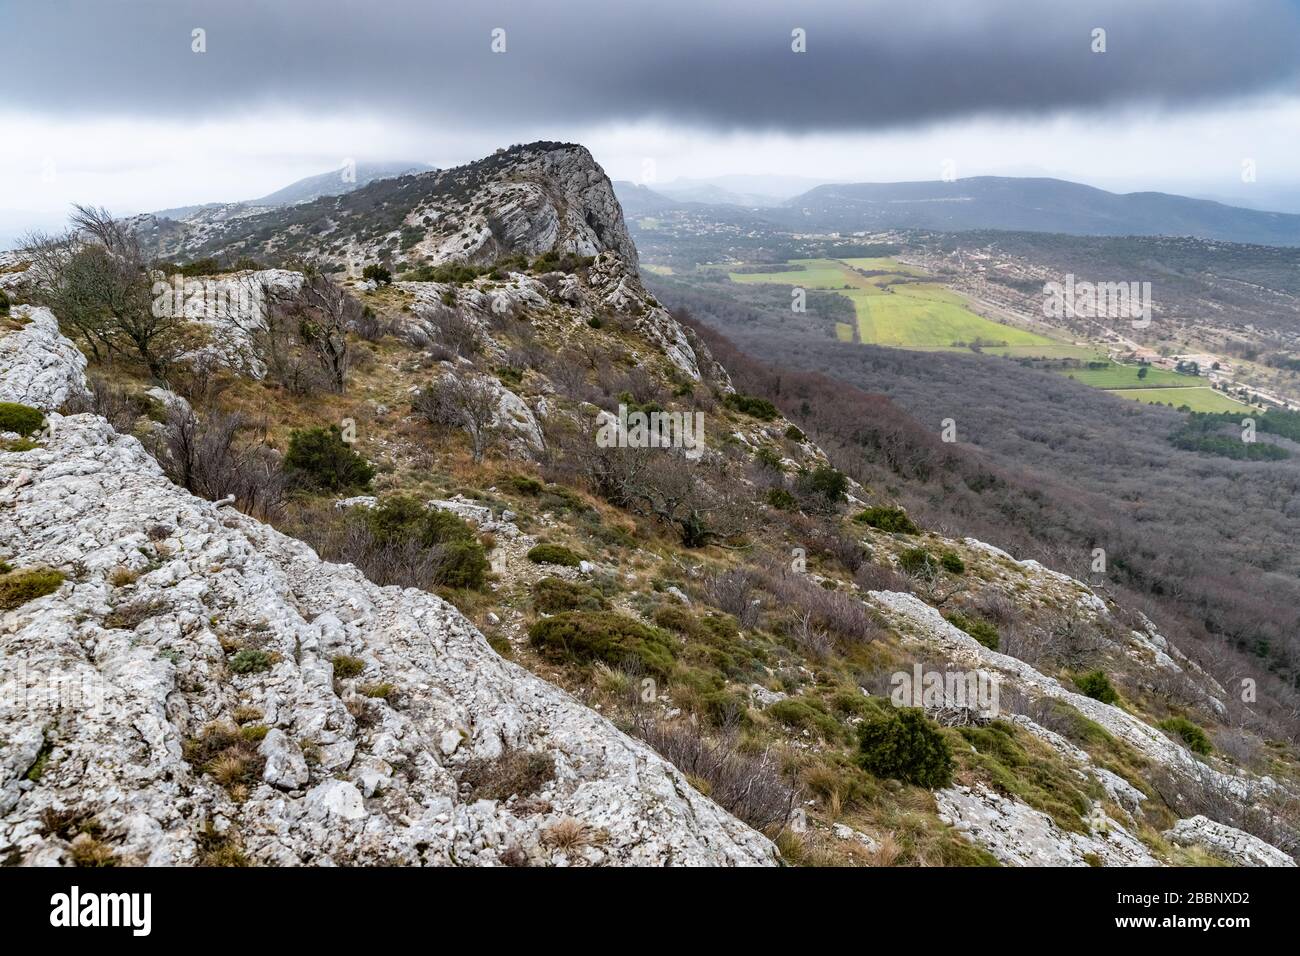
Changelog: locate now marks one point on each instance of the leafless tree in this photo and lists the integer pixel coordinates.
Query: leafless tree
(323, 313)
(469, 402)
(205, 457)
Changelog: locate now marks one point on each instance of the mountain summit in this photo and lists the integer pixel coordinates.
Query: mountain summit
(527, 200)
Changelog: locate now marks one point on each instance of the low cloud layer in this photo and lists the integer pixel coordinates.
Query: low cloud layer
(724, 65)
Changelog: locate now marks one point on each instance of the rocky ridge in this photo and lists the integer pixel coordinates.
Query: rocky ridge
(344, 777)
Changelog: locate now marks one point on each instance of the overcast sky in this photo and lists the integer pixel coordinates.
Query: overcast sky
(107, 101)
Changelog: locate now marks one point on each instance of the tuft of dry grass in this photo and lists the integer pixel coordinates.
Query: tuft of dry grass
(567, 834)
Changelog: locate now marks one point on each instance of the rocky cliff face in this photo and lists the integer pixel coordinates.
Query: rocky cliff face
(526, 200)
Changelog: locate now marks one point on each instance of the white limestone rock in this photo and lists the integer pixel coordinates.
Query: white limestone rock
(40, 367)
(1019, 835)
(1235, 846)
(87, 498)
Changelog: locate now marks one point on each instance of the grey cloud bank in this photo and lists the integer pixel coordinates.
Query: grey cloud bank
(726, 65)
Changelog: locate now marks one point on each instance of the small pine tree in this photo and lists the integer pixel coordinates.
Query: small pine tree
(906, 745)
(319, 458)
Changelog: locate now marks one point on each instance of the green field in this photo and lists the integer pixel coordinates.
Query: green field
(1199, 398)
(896, 310)
(1126, 376)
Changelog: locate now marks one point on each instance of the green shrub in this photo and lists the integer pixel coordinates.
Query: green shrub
(823, 482)
(19, 587)
(607, 636)
(805, 713)
(250, 662)
(885, 518)
(759, 408)
(346, 666)
(401, 521)
(768, 458)
(4, 302)
(319, 458)
(903, 743)
(781, 500)
(793, 433)
(951, 561)
(1195, 738)
(378, 273)
(554, 554)
(1097, 686)
(552, 595)
(917, 561)
(978, 628)
(22, 419)
(524, 485)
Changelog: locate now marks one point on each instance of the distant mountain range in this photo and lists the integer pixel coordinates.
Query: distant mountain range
(997, 202)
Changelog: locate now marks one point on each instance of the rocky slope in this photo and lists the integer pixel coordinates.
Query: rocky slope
(117, 678)
(286, 710)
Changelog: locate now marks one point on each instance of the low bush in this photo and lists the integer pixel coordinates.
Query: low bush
(403, 522)
(805, 713)
(904, 744)
(1097, 685)
(516, 773)
(917, 561)
(951, 562)
(22, 419)
(554, 554)
(976, 627)
(886, 518)
(759, 408)
(397, 542)
(378, 273)
(781, 500)
(552, 595)
(823, 485)
(615, 639)
(319, 458)
(747, 784)
(1193, 736)
(793, 433)
(251, 662)
(19, 587)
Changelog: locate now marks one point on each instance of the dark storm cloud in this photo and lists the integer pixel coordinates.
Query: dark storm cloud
(721, 64)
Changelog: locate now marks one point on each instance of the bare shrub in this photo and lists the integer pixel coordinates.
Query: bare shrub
(1272, 815)
(736, 592)
(750, 786)
(840, 613)
(813, 642)
(204, 457)
(467, 402)
(695, 498)
(319, 316)
(1242, 747)
(117, 404)
(871, 576)
(995, 607)
(454, 331)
